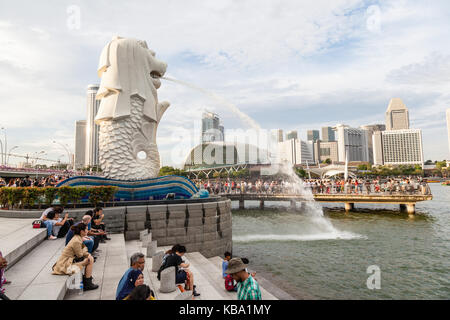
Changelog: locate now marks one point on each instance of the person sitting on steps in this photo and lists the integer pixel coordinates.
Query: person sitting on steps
(248, 288)
(183, 275)
(98, 224)
(75, 257)
(50, 224)
(58, 226)
(133, 277)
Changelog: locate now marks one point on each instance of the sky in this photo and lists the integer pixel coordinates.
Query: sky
(291, 65)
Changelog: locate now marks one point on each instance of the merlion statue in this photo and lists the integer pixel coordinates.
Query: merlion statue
(129, 110)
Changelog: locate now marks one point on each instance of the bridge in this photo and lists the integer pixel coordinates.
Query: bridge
(406, 201)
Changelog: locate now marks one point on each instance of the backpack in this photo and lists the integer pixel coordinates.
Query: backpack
(163, 266)
(229, 283)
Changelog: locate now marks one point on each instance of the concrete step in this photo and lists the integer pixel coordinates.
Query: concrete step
(204, 285)
(266, 295)
(109, 268)
(209, 282)
(17, 238)
(215, 271)
(150, 278)
(31, 277)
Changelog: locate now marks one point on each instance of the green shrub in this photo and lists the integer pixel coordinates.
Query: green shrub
(77, 194)
(64, 195)
(4, 194)
(31, 196)
(15, 197)
(28, 196)
(50, 195)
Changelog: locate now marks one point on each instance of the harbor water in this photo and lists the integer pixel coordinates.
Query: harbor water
(309, 259)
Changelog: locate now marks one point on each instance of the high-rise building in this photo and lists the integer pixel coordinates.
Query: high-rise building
(313, 135)
(402, 147)
(92, 129)
(398, 144)
(397, 115)
(328, 134)
(377, 148)
(352, 141)
(370, 130)
(295, 151)
(212, 130)
(80, 144)
(293, 134)
(324, 150)
(279, 135)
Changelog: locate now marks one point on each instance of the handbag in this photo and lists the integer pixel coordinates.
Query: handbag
(38, 224)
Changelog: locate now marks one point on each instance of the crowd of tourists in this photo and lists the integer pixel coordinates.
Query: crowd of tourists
(390, 185)
(35, 181)
(81, 251)
(27, 181)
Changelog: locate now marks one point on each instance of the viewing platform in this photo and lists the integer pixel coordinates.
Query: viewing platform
(406, 201)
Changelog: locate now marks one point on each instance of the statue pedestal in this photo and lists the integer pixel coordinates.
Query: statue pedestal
(148, 189)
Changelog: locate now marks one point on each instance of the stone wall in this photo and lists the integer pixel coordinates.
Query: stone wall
(203, 227)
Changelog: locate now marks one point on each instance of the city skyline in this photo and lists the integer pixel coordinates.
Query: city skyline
(340, 63)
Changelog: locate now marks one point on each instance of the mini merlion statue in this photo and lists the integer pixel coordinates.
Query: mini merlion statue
(129, 110)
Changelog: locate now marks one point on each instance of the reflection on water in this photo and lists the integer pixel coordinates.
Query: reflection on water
(412, 252)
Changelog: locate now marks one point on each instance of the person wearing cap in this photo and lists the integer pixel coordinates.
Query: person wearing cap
(248, 288)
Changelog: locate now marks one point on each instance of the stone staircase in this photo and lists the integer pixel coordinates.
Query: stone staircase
(207, 275)
(30, 261)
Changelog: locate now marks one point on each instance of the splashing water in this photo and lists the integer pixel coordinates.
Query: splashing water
(323, 229)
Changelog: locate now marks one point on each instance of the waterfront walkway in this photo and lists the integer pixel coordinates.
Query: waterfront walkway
(407, 201)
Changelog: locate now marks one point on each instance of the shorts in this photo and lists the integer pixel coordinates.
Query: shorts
(180, 276)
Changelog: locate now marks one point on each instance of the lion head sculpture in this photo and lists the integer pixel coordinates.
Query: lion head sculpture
(127, 68)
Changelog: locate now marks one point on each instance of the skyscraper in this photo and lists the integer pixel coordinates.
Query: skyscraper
(328, 134)
(354, 141)
(80, 144)
(377, 148)
(397, 115)
(371, 129)
(313, 135)
(279, 135)
(324, 150)
(398, 144)
(92, 130)
(212, 130)
(293, 134)
(295, 152)
(402, 147)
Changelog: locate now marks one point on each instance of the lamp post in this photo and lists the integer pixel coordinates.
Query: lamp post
(9, 154)
(36, 159)
(4, 145)
(66, 147)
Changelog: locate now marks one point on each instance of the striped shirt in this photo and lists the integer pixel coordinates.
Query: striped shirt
(249, 290)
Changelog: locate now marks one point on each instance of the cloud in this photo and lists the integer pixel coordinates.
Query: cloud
(289, 65)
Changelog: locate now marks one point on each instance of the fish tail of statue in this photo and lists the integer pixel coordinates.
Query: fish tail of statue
(122, 140)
